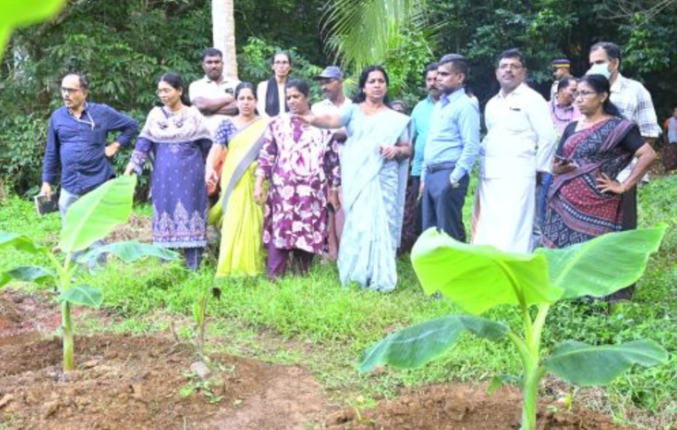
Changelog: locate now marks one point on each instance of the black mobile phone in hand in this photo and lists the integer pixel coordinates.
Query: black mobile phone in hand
(45, 205)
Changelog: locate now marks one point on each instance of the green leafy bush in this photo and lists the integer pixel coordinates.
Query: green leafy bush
(23, 142)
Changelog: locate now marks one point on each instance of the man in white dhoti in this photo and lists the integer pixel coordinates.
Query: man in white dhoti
(520, 142)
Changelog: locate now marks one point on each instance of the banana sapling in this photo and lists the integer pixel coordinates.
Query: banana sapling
(479, 278)
(88, 220)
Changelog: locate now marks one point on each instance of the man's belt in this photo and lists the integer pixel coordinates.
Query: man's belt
(447, 165)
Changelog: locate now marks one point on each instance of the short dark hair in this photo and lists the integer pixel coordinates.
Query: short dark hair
(285, 53)
(300, 85)
(82, 79)
(400, 103)
(244, 86)
(513, 53)
(432, 67)
(458, 63)
(565, 81)
(212, 52)
(613, 51)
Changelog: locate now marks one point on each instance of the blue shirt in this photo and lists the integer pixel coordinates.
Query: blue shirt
(454, 135)
(77, 146)
(420, 120)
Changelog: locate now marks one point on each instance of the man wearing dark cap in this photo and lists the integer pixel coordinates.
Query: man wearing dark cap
(331, 83)
(561, 68)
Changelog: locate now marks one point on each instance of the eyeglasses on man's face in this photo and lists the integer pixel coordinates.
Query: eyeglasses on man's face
(65, 90)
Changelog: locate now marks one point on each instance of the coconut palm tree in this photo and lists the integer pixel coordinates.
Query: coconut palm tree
(223, 29)
(363, 32)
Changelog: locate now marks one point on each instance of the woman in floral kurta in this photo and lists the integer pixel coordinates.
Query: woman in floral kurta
(300, 163)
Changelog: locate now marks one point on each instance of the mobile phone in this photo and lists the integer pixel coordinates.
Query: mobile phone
(45, 205)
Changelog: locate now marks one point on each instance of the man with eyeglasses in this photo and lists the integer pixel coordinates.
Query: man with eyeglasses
(520, 143)
(214, 94)
(77, 143)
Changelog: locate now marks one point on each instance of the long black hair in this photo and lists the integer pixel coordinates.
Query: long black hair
(600, 84)
(361, 96)
(176, 81)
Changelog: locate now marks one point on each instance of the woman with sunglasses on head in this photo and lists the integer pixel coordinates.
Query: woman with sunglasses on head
(584, 200)
(177, 136)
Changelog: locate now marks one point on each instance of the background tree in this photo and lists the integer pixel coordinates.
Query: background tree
(223, 27)
(124, 47)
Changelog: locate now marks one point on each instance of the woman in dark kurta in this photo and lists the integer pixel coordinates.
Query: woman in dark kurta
(179, 140)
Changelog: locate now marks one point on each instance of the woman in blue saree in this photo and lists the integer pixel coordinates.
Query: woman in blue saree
(374, 165)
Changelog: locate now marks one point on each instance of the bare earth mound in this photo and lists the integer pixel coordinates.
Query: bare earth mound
(460, 407)
(126, 382)
(138, 383)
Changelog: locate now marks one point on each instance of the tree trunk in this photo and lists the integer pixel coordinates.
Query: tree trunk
(223, 29)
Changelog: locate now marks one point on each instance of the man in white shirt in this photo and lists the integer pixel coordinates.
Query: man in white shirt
(331, 83)
(520, 142)
(213, 95)
(635, 104)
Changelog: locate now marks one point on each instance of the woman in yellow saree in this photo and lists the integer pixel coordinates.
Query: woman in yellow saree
(237, 215)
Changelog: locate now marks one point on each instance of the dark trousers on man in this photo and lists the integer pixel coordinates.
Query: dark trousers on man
(418, 208)
(629, 222)
(442, 203)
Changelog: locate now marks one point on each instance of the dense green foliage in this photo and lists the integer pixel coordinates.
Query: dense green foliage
(124, 46)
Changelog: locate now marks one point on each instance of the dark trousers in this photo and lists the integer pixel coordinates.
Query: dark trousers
(418, 206)
(442, 204)
(278, 259)
(193, 257)
(629, 222)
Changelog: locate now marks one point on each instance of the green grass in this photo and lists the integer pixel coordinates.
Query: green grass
(314, 322)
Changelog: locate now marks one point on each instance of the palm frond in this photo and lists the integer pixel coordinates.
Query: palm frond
(363, 32)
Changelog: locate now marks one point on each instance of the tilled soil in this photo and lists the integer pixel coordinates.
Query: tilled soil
(125, 382)
(462, 407)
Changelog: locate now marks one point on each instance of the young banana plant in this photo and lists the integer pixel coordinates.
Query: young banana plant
(88, 220)
(479, 278)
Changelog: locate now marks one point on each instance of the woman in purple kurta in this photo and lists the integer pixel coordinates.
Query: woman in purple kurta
(179, 140)
(300, 164)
